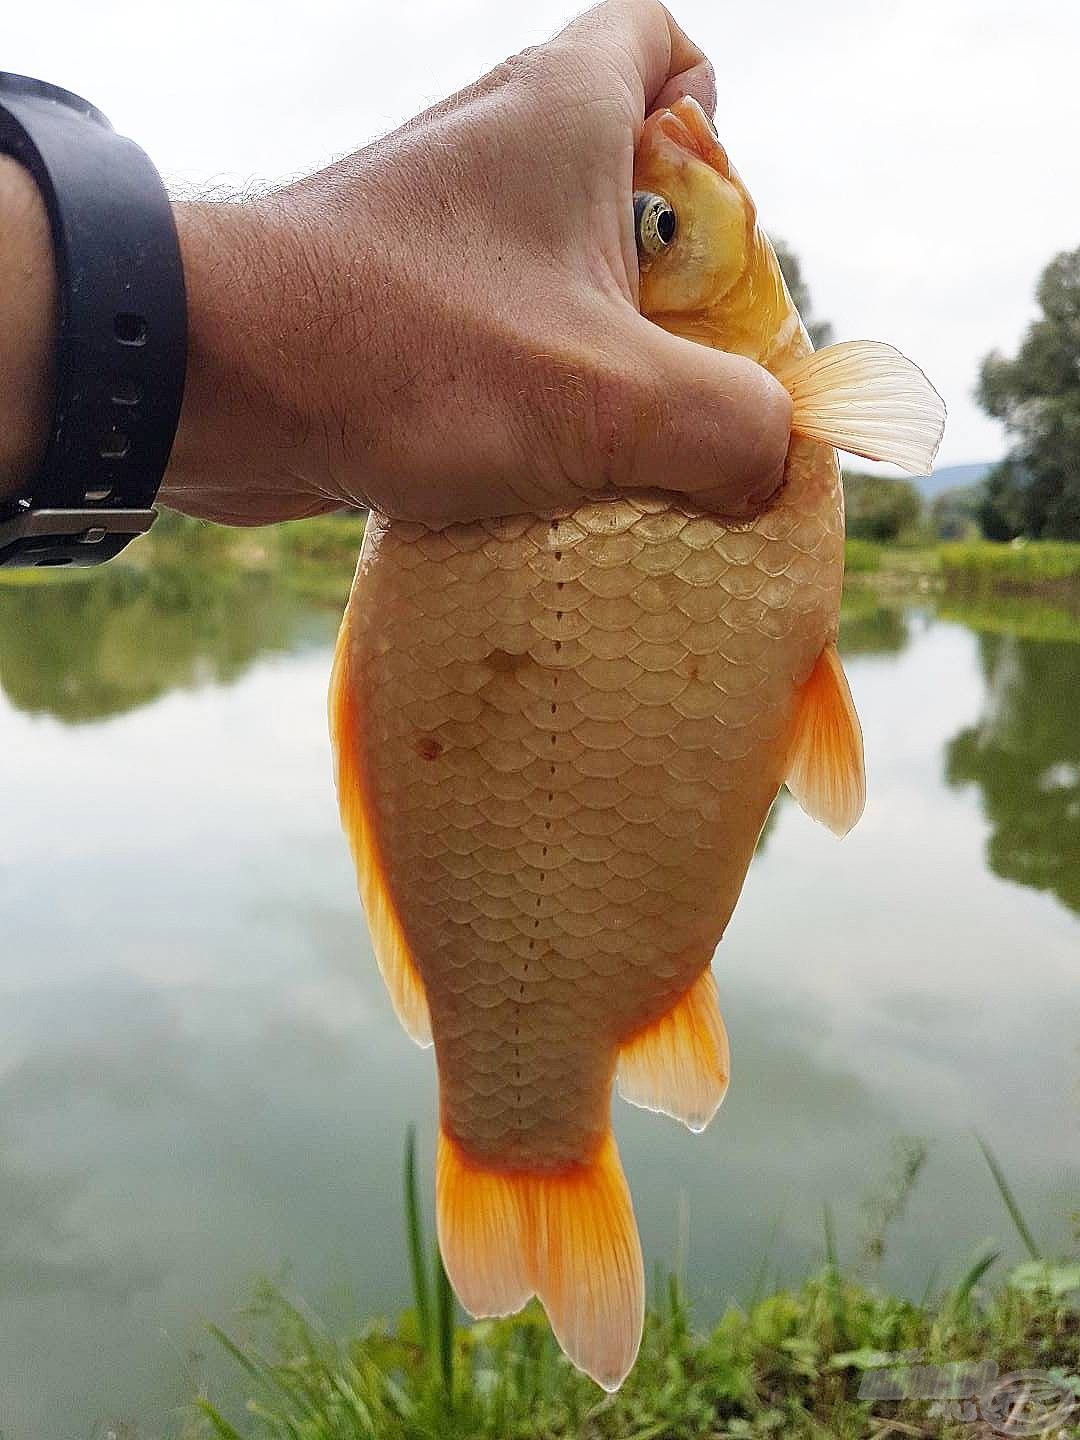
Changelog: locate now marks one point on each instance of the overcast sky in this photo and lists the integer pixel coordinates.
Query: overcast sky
(920, 155)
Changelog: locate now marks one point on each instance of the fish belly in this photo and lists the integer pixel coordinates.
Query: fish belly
(570, 731)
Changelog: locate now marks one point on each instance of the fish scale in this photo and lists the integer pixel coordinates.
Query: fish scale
(573, 736)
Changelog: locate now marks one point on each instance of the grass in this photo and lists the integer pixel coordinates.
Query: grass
(1033, 563)
(788, 1365)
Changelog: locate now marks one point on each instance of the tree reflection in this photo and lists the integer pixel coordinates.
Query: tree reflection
(869, 628)
(94, 645)
(1024, 754)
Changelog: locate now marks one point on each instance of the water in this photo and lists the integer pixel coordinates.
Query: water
(201, 1081)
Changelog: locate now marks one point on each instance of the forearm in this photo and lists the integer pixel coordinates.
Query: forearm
(443, 325)
(27, 327)
(243, 452)
(250, 318)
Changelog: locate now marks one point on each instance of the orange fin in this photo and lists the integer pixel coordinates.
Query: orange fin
(825, 766)
(569, 1238)
(482, 1233)
(391, 949)
(680, 1064)
(866, 398)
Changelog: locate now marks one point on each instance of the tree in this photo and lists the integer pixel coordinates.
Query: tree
(820, 330)
(1036, 490)
(879, 509)
(954, 514)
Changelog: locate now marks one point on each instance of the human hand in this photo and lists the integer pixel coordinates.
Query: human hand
(444, 324)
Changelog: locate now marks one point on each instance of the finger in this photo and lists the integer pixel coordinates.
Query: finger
(699, 82)
(641, 39)
(713, 425)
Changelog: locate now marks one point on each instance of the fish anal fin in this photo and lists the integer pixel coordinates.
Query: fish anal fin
(866, 398)
(680, 1064)
(395, 961)
(826, 773)
(569, 1237)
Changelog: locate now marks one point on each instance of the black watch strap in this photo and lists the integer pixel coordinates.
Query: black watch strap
(121, 336)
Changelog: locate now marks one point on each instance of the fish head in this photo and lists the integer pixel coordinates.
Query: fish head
(711, 274)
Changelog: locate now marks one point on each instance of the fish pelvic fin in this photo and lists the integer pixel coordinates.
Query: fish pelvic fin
(395, 961)
(866, 398)
(826, 773)
(680, 1064)
(568, 1237)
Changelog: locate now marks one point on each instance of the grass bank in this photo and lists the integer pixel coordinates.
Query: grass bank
(789, 1364)
(1046, 569)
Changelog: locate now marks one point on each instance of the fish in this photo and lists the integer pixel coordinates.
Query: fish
(557, 739)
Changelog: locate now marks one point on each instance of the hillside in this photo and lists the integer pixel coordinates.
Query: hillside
(951, 477)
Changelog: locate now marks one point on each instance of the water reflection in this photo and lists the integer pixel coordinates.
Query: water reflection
(1024, 755)
(89, 647)
(869, 628)
(201, 1079)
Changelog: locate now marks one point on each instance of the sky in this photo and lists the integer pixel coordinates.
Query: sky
(919, 155)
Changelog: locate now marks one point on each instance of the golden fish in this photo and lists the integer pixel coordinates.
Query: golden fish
(557, 741)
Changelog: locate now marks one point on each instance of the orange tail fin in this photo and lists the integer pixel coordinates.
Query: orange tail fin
(569, 1238)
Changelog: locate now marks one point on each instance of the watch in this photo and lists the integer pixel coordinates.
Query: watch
(121, 348)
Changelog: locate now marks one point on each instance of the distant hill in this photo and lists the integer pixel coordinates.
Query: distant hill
(951, 477)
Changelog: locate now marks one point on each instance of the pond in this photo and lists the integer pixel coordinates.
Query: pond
(202, 1083)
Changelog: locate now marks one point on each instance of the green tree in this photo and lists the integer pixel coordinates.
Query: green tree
(820, 330)
(954, 514)
(880, 509)
(1036, 490)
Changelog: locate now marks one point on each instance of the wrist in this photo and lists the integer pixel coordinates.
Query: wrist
(28, 325)
(253, 444)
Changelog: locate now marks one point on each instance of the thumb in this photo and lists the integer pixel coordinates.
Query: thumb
(712, 425)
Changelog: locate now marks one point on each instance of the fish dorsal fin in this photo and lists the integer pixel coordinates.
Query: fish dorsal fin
(680, 1064)
(398, 968)
(825, 763)
(866, 398)
(568, 1236)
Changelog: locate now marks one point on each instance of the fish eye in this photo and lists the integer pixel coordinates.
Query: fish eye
(655, 223)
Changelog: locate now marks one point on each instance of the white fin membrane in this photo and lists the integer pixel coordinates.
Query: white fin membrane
(866, 398)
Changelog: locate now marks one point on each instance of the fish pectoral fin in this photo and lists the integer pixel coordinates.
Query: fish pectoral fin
(568, 1237)
(680, 1064)
(826, 773)
(866, 398)
(407, 993)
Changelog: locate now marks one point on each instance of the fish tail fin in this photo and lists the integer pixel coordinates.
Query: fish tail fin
(483, 1232)
(680, 1064)
(866, 398)
(589, 1272)
(825, 770)
(392, 952)
(569, 1237)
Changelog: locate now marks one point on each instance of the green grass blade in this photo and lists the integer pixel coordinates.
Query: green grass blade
(757, 1290)
(974, 1274)
(1005, 1191)
(831, 1257)
(444, 1320)
(414, 1235)
(222, 1429)
(239, 1355)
